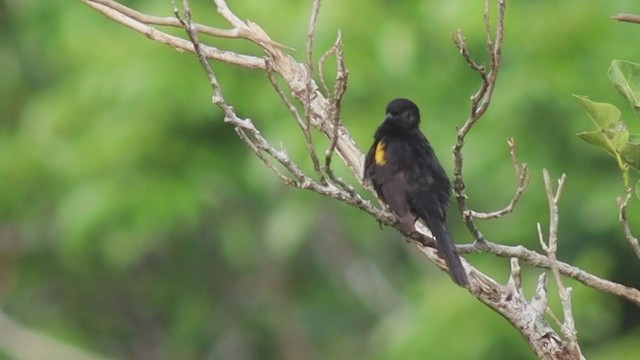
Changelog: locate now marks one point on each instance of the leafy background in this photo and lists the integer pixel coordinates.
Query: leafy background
(134, 224)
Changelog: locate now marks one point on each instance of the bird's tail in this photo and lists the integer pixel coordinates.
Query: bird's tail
(447, 250)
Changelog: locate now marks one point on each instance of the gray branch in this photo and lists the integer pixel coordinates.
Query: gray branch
(567, 326)
(622, 206)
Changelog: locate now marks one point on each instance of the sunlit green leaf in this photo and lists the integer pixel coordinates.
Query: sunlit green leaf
(625, 76)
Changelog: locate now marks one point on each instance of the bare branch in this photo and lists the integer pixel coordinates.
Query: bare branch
(624, 221)
(541, 236)
(540, 336)
(538, 260)
(271, 75)
(164, 21)
(522, 172)
(461, 43)
(256, 150)
(479, 104)
(261, 146)
(246, 30)
(311, 33)
(250, 62)
(487, 26)
(332, 51)
(309, 90)
(515, 276)
(234, 33)
(293, 73)
(567, 326)
(244, 127)
(304, 125)
(630, 18)
(554, 216)
(509, 301)
(328, 155)
(339, 90)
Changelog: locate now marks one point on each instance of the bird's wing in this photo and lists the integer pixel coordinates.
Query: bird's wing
(369, 162)
(393, 190)
(384, 168)
(430, 186)
(386, 158)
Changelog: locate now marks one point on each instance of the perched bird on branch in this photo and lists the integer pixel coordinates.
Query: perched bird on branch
(406, 174)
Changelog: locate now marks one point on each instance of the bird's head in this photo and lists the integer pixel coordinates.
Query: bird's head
(403, 114)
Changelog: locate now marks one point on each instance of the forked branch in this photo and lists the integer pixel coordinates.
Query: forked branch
(567, 326)
(479, 104)
(522, 173)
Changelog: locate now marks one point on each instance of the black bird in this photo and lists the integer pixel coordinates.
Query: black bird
(406, 174)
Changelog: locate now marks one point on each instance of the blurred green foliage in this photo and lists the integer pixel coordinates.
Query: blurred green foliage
(134, 223)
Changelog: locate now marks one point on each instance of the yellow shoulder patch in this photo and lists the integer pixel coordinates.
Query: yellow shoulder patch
(380, 155)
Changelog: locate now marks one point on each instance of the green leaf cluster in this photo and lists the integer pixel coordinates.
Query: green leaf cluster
(612, 134)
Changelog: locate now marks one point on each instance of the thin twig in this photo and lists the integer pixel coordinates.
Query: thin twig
(552, 246)
(630, 18)
(339, 90)
(567, 327)
(553, 317)
(271, 75)
(332, 50)
(245, 137)
(522, 172)
(461, 43)
(479, 104)
(244, 127)
(487, 26)
(311, 31)
(624, 221)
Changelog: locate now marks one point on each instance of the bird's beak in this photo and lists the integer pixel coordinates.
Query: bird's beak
(388, 117)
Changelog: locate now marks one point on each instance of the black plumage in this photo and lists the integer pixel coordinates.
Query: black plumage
(406, 174)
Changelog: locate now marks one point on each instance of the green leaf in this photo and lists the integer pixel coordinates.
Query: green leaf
(638, 189)
(597, 138)
(625, 76)
(604, 115)
(612, 134)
